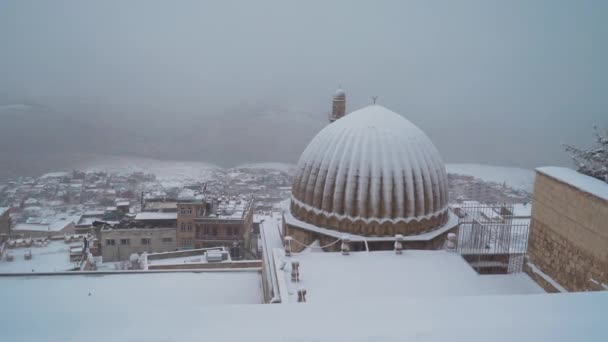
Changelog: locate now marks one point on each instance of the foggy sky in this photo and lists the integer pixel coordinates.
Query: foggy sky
(498, 82)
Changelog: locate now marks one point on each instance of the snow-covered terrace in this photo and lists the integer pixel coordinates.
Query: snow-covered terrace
(189, 307)
(383, 275)
(52, 258)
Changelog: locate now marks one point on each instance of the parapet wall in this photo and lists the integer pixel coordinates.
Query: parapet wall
(568, 239)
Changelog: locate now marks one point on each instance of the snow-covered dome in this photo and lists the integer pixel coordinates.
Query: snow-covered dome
(340, 93)
(372, 173)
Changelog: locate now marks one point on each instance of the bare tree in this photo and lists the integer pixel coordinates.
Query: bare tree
(594, 161)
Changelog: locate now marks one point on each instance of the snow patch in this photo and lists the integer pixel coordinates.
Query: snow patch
(514, 177)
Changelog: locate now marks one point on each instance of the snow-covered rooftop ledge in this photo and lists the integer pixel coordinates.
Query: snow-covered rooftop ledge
(130, 272)
(293, 221)
(577, 180)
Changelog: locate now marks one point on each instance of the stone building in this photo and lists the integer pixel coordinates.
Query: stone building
(119, 244)
(371, 175)
(214, 222)
(568, 242)
(5, 223)
(58, 228)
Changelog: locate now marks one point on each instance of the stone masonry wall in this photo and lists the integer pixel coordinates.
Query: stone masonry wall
(568, 236)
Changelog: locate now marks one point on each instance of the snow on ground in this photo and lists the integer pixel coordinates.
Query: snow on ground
(135, 293)
(52, 258)
(514, 177)
(172, 173)
(383, 275)
(285, 167)
(172, 311)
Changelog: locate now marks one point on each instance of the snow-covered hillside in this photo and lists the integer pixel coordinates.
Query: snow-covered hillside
(514, 177)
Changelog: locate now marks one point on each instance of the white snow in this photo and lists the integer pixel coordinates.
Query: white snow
(171, 173)
(522, 209)
(52, 258)
(368, 157)
(173, 312)
(514, 177)
(546, 277)
(59, 174)
(155, 216)
(136, 293)
(383, 275)
(284, 167)
(3, 210)
(578, 180)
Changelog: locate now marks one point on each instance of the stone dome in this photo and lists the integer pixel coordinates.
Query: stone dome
(371, 173)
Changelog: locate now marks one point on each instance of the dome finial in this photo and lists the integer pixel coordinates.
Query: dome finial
(374, 98)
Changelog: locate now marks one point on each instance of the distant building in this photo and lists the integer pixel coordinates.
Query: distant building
(55, 229)
(160, 205)
(568, 243)
(123, 206)
(119, 244)
(156, 219)
(214, 222)
(5, 223)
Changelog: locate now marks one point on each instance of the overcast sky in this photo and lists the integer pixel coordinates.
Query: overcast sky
(499, 82)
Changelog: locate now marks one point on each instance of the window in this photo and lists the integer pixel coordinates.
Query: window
(214, 231)
(186, 242)
(189, 211)
(145, 241)
(110, 242)
(125, 242)
(183, 227)
(206, 231)
(182, 211)
(189, 227)
(167, 240)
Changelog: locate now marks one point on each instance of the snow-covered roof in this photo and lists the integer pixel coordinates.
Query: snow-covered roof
(122, 203)
(54, 226)
(578, 180)
(156, 216)
(373, 164)
(384, 275)
(522, 209)
(134, 293)
(184, 306)
(3, 210)
(52, 258)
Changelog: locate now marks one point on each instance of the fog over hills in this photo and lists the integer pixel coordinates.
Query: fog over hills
(490, 82)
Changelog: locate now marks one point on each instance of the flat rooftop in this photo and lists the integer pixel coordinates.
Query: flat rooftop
(134, 293)
(383, 275)
(183, 309)
(52, 258)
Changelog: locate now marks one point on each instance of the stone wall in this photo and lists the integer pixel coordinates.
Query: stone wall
(158, 242)
(568, 236)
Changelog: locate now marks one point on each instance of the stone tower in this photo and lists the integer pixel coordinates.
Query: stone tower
(339, 105)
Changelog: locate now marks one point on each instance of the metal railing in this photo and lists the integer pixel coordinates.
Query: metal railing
(491, 239)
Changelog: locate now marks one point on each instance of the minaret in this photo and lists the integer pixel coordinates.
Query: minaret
(339, 105)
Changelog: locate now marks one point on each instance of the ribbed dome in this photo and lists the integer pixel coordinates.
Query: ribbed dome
(371, 166)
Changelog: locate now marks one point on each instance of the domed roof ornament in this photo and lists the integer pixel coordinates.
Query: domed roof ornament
(372, 172)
